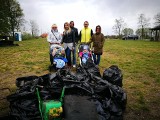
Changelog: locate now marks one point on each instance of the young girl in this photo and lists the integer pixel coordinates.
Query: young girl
(58, 50)
(85, 54)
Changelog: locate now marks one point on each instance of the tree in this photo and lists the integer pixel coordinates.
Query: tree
(127, 31)
(11, 16)
(157, 19)
(118, 27)
(20, 23)
(34, 28)
(146, 34)
(143, 23)
(4, 21)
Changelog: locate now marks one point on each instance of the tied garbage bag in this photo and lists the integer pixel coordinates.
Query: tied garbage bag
(113, 75)
(116, 96)
(24, 103)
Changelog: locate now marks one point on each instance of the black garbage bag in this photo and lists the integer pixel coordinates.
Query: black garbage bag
(23, 107)
(65, 74)
(89, 63)
(91, 68)
(112, 97)
(28, 80)
(45, 80)
(94, 71)
(79, 108)
(24, 102)
(113, 75)
(109, 100)
(81, 74)
(103, 113)
(110, 105)
(119, 96)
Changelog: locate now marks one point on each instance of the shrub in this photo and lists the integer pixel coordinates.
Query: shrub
(26, 36)
(44, 35)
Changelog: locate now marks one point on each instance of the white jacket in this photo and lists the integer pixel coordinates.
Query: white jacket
(54, 37)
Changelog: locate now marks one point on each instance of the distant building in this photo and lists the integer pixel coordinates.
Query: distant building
(155, 33)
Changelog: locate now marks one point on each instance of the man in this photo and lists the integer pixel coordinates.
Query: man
(76, 41)
(86, 33)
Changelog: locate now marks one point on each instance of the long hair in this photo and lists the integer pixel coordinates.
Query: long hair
(98, 26)
(67, 31)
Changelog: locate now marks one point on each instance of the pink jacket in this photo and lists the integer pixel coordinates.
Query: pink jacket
(81, 54)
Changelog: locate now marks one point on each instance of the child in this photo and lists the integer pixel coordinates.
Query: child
(85, 54)
(57, 50)
(58, 54)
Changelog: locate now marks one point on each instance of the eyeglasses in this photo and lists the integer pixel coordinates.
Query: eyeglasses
(54, 27)
(85, 24)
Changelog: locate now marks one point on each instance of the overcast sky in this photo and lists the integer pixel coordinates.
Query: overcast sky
(96, 12)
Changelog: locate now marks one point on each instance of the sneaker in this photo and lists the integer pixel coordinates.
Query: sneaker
(96, 66)
(74, 66)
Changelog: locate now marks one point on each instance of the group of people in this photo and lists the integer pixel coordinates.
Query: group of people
(70, 39)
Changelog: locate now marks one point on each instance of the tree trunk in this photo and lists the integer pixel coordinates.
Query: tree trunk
(142, 33)
(156, 37)
(159, 35)
(119, 32)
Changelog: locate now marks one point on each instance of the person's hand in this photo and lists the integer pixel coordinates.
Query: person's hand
(76, 43)
(52, 43)
(73, 48)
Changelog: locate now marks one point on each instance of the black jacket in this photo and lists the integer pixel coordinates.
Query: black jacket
(69, 38)
(76, 34)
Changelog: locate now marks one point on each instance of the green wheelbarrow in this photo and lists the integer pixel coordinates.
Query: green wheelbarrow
(51, 109)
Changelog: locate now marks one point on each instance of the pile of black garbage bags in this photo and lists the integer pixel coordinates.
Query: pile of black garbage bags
(105, 91)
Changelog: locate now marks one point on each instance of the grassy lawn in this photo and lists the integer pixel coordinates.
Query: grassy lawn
(138, 60)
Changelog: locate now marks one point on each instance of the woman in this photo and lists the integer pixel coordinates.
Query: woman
(98, 42)
(68, 41)
(54, 38)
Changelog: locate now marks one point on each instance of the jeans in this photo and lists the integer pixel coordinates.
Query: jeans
(68, 55)
(51, 58)
(50, 55)
(96, 59)
(74, 56)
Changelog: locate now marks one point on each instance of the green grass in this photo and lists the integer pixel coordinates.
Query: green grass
(139, 61)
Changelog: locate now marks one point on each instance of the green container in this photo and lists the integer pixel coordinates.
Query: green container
(51, 110)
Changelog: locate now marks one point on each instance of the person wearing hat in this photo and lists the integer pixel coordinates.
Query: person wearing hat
(54, 38)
